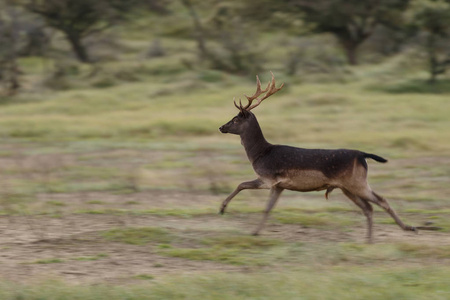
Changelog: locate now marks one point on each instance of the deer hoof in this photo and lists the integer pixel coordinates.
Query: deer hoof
(412, 228)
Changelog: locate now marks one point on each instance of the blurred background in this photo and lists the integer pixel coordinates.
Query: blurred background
(112, 169)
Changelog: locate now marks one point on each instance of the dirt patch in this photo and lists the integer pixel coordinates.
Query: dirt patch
(72, 249)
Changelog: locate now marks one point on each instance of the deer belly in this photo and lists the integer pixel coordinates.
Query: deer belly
(303, 180)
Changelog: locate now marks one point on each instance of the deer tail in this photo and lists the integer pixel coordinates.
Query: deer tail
(375, 157)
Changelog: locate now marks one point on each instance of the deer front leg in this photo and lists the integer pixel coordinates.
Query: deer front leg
(254, 184)
(275, 193)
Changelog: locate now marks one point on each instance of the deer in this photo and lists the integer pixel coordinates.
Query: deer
(281, 167)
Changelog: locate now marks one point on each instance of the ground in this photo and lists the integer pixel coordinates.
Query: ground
(70, 246)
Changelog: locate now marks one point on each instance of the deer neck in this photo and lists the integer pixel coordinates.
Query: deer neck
(254, 142)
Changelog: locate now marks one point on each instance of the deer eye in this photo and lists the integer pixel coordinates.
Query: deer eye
(235, 120)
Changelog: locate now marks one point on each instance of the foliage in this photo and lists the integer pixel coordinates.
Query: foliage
(228, 34)
(232, 43)
(80, 18)
(352, 22)
(433, 18)
(315, 55)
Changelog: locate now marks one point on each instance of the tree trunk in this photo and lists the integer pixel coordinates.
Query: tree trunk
(432, 58)
(199, 32)
(79, 49)
(9, 68)
(200, 37)
(350, 48)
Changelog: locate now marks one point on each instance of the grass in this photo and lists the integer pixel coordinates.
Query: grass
(97, 202)
(56, 203)
(91, 258)
(242, 242)
(49, 261)
(425, 251)
(137, 236)
(319, 220)
(367, 283)
(77, 115)
(418, 87)
(234, 250)
(163, 212)
(144, 277)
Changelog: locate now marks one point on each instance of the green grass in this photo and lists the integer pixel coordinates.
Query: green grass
(181, 212)
(138, 236)
(242, 242)
(56, 203)
(162, 212)
(304, 283)
(99, 202)
(235, 250)
(417, 87)
(77, 115)
(91, 258)
(49, 261)
(144, 277)
(319, 220)
(429, 211)
(425, 251)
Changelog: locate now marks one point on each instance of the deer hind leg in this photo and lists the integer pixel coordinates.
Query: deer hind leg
(275, 193)
(367, 210)
(254, 184)
(381, 202)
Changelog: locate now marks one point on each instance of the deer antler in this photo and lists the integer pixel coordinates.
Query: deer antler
(269, 90)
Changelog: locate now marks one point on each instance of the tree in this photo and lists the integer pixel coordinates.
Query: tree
(433, 18)
(80, 18)
(351, 21)
(9, 35)
(199, 30)
(235, 47)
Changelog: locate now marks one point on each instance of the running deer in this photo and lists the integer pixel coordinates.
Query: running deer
(283, 167)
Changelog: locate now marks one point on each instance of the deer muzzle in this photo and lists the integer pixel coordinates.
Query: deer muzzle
(222, 129)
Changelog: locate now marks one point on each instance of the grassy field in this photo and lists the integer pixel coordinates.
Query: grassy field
(110, 187)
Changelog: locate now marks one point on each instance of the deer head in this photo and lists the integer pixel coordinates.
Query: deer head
(244, 118)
